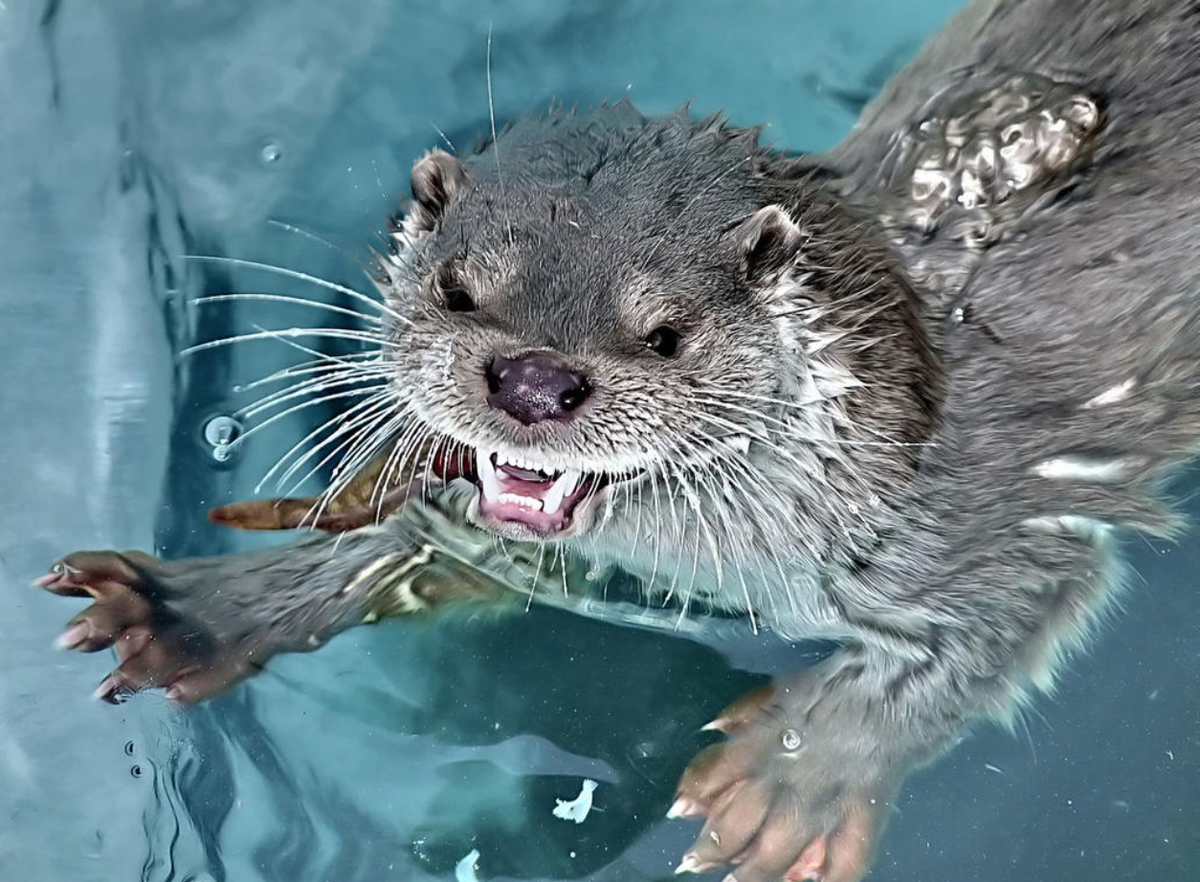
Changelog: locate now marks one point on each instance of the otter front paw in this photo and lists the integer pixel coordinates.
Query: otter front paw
(158, 643)
(801, 790)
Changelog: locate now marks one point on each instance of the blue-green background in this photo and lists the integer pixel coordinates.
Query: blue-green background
(134, 131)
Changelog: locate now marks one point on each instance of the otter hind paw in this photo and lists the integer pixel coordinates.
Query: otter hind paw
(781, 803)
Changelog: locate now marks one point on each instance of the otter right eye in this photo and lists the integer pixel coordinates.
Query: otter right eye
(664, 340)
(457, 299)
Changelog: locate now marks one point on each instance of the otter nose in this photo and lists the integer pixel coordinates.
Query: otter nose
(535, 386)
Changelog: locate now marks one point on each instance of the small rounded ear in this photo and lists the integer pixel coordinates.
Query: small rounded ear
(768, 240)
(436, 178)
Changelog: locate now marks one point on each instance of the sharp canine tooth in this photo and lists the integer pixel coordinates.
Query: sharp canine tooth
(487, 475)
(562, 485)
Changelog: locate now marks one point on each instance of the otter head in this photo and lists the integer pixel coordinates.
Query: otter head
(596, 317)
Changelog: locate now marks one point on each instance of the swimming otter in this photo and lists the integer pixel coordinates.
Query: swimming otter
(903, 395)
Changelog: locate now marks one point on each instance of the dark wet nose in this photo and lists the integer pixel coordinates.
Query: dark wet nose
(535, 386)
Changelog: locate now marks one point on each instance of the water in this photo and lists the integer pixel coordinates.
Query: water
(136, 131)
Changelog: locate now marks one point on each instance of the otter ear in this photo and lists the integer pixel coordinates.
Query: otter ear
(436, 179)
(768, 241)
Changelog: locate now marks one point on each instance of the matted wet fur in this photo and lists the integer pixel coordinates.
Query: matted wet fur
(904, 395)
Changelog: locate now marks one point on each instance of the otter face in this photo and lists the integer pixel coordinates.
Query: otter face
(572, 325)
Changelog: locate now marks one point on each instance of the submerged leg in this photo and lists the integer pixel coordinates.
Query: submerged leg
(197, 627)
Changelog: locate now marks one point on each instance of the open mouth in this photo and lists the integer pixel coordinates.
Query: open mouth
(524, 493)
(525, 498)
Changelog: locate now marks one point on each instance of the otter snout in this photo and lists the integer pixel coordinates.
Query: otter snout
(535, 387)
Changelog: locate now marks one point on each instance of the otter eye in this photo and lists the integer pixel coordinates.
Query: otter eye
(663, 340)
(458, 300)
(454, 295)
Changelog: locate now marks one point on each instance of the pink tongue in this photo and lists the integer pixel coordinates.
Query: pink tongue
(534, 489)
(512, 471)
(513, 513)
(538, 520)
(523, 482)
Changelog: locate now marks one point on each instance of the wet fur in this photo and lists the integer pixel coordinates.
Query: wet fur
(611, 224)
(935, 505)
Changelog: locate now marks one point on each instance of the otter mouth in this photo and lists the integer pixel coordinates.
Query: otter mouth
(519, 491)
(526, 499)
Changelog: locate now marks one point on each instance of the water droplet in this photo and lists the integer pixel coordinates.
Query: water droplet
(129, 748)
(136, 771)
(270, 153)
(791, 739)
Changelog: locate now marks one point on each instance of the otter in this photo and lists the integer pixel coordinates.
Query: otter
(906, 395)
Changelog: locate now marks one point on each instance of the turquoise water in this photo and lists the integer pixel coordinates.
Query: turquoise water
(135, 131)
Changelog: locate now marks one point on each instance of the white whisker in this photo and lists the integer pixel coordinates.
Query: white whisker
(300, 276)
(495, 140)
(328, 333)
(311, 386)
(296, 301)
(307, 234)
(377, 401)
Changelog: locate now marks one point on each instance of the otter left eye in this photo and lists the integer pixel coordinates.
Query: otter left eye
(458, 300)
(664, 340)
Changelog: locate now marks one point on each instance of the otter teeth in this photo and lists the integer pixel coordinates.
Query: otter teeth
(487, 476)
(564, 484)
(521, 462)
(523, 501)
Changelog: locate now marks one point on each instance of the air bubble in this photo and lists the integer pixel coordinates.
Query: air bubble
(222, 433)
(129, 748)
(136, 771)
(791, 739)
(270, 153)
(221, 430)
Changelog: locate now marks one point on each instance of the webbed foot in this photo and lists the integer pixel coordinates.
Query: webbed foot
(797, 792)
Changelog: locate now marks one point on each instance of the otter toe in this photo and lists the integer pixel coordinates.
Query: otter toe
(104, 622)
(198, 684)
(714, 770)
(742, 711)
(89, 572)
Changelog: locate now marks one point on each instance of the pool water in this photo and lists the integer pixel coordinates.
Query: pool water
(135, 132)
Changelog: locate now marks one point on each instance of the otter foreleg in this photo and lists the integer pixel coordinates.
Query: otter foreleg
(197, 627)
